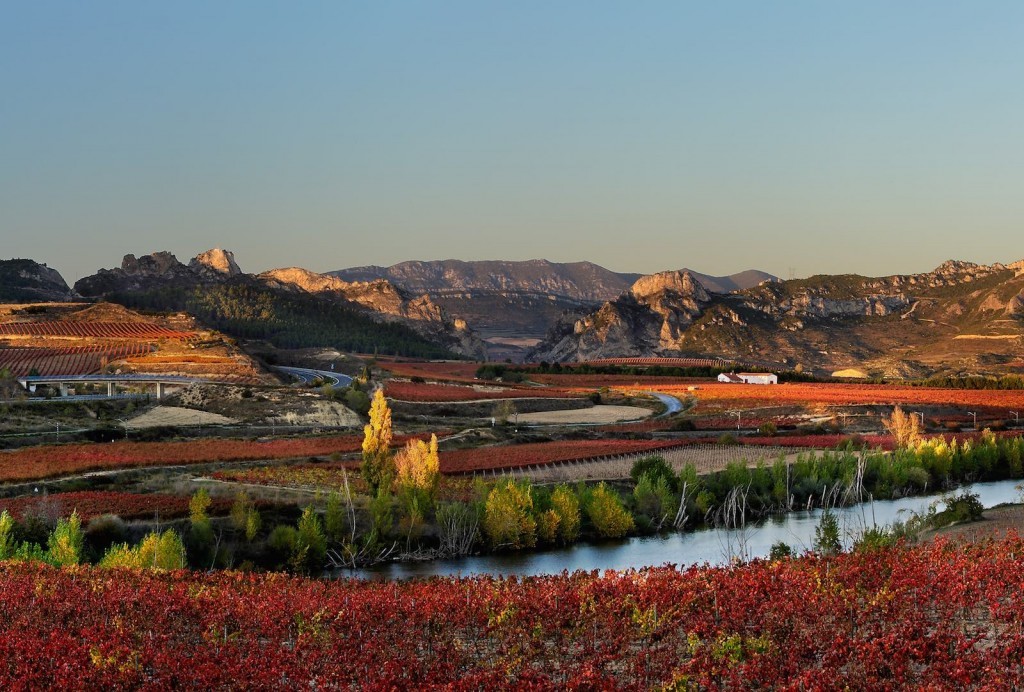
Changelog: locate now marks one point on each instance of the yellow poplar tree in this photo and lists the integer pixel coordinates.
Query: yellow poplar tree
(419, 466)
(377, 466)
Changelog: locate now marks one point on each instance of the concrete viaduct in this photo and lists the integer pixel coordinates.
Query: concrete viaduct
(112, 381)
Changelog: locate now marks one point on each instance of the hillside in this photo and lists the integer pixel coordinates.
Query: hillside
(216, 291)
(960, 317)
(84, 339)
(23, 280)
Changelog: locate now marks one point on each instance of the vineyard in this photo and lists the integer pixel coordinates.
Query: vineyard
(663, 362)
(937, 616)
(94, 503)
(749, 396)
(704, 457)
(72, 360)
(49, 461)
(442, 370)
(498, 458)
(447, 393)
(92, 330)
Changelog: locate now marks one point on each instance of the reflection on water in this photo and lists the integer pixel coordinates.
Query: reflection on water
(712, 546)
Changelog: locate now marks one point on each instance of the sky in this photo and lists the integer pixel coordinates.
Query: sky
(793, 137)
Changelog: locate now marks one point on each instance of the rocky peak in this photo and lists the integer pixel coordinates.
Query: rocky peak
(216, 261)
(26, 280)
(682, 283)
(158, 264)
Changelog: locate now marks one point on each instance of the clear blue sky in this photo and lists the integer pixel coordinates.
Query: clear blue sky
(869, 137)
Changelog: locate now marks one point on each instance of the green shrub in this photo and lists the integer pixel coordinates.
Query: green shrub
(508, 516)
(566, 505)
(655, 467)
(606, 513)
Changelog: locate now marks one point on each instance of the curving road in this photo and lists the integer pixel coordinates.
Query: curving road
(672, 404)
(307, 375)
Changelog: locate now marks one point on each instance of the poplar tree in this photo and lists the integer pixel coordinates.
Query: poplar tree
(378, 468)
(419, 467)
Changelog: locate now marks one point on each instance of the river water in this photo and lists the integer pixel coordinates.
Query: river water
(711, 546)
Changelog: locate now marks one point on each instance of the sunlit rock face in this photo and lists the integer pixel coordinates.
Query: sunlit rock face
(216, 261)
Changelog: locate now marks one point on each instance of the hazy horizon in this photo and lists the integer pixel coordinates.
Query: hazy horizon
(807, 137)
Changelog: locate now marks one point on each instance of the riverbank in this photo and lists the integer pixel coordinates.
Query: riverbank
(996, 523)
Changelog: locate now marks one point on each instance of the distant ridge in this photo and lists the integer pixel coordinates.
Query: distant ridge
(581, 281)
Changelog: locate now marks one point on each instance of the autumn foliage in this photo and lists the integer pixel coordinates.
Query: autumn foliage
(940, 616)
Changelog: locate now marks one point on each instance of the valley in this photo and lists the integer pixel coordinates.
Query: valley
(281, 392)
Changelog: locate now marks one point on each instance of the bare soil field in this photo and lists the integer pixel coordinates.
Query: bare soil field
(177, 416)
(597, 415)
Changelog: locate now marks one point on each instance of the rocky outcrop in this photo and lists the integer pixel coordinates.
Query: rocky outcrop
(824, 321)
(296, 278)
(138, 273)
(1015, 307)
(649, 319)
(24, 280)
(385, 301)
(215, 262)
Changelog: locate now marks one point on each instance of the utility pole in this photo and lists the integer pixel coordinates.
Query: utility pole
(975, 414)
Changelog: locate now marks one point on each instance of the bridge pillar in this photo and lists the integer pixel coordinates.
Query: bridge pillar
(63, 386)
(110, 389)
(159, 391)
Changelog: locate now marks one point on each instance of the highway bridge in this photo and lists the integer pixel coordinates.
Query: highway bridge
(64, 383)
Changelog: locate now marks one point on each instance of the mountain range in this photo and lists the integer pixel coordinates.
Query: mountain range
(513, 304)
(961, 317)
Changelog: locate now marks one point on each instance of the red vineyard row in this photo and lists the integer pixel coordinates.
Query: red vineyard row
(94, 503)
(49, 461)
(454, 371)
(73, 360)
(839, 394)
(939, 616)
(94, 330)
(426, 392)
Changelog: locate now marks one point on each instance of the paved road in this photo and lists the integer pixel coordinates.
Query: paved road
(307, 375)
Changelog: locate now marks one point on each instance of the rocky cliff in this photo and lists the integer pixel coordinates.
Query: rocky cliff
(215, 262)
(961, 316)
(23, 281)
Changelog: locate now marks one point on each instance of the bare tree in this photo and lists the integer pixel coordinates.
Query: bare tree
(731, 515)
(457, 526)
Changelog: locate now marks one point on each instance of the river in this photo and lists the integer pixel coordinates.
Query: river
(711, 546)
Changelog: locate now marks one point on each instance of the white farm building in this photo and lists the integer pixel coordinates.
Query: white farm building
(749, 378)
